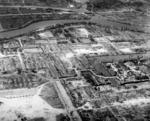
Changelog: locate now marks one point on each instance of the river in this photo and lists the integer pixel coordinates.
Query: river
(96, 19)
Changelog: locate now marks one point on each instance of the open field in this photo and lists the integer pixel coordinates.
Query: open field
(18, 108)
(50, 95)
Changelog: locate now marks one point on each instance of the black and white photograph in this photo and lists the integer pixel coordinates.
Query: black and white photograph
(74, 60)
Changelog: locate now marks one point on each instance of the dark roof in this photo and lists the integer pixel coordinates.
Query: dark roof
(37, 119)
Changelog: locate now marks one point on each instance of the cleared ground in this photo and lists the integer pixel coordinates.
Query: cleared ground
(29, 107)
(49, 94)
(1, 29)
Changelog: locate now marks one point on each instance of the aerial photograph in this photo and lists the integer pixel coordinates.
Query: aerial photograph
(74, 60)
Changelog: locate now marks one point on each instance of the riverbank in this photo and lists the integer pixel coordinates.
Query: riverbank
(31, 22)
(19, 21)
(140, 25)
(42, 24)
(127, 17)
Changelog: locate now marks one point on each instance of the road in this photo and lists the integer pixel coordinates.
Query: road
(66, 100)
(23, 14)
(20, 6)
(21, 60)
(111, 11)
(82, 9)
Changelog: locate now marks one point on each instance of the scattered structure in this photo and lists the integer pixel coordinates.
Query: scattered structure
(103, 72)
